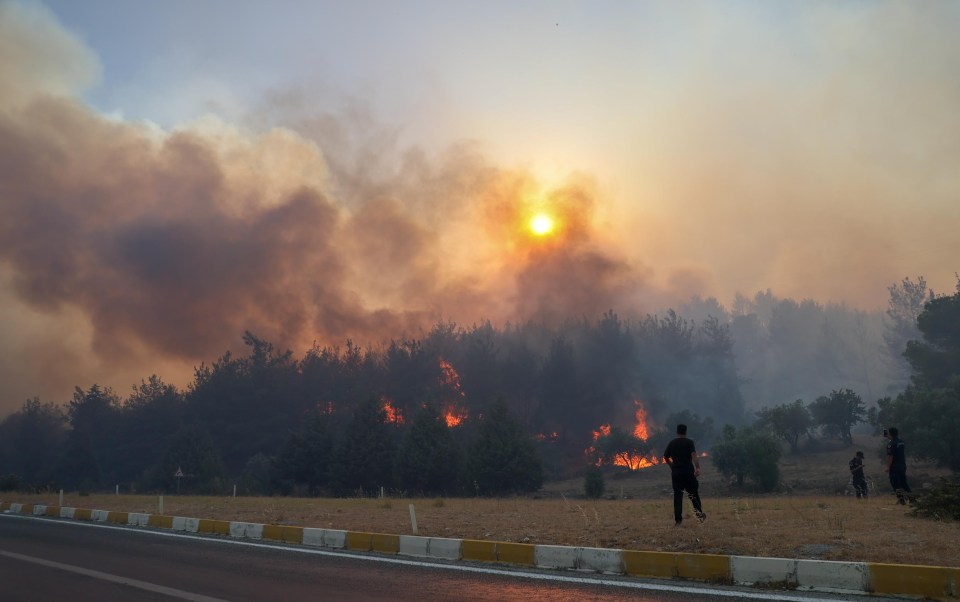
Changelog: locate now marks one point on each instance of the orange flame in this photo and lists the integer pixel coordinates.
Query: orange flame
(450, 377)
(551, 438)
(602, 431)
(635, 461)
(454, 416)
(640, 430)
(393, 414)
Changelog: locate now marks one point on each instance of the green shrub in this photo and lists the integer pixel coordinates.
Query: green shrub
(593, 483)
(942, 501)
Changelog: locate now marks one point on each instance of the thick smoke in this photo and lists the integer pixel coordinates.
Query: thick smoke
(151, 248)
(821, 167)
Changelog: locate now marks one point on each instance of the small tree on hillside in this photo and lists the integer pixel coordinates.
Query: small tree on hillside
(748, 453)
(429, 459)
(503, 458)
(838, 413)
(788, 422)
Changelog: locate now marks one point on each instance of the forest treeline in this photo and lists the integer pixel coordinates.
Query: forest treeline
(530, 396)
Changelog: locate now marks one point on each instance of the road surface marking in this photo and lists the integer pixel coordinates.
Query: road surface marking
(150, 587)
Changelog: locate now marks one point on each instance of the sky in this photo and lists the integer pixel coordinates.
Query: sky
(173, 174)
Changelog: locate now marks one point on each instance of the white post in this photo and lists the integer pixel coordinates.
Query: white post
(413, 519)
(234, 490)
(116, 491)
(61, 498)
(381, 492)
(161, 505)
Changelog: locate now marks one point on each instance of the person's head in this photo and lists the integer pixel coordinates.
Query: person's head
(681, 429)
(859, 454)
(894, 433)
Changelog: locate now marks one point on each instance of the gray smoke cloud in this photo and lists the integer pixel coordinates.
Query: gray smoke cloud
(128, 249)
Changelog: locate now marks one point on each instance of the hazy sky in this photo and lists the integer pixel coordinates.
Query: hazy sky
(173, 173)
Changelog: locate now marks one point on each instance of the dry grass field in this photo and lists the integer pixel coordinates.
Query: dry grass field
(815, 518)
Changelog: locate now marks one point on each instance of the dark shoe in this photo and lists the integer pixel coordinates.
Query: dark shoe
(701, 515)
(677, 524)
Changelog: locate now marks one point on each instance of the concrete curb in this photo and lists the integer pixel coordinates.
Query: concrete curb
(941, 583)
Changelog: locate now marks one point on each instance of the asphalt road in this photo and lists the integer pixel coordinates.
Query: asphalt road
(47, 559)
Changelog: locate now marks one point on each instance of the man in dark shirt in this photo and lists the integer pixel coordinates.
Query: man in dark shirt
(856, 471)
(897, 465)
(681, 457)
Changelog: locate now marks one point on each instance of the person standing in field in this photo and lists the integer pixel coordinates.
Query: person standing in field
(681, 457)
(856, 471)
(897, 465)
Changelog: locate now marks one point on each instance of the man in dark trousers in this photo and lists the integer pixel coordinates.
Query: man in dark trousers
(897, 465)
(681, 456)
(856, 471)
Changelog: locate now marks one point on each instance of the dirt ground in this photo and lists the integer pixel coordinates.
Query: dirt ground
(815, 518)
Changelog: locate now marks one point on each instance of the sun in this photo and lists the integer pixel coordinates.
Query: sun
(541, 224)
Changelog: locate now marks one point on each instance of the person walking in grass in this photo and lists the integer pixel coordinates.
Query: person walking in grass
(897, 465)
(681, 457)
(859, 480)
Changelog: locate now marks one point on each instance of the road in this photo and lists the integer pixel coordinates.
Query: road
(48, 559)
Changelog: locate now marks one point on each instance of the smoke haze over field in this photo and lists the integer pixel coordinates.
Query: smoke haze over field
(133, 245)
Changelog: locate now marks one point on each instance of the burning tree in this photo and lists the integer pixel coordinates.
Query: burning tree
(619, 448)
(452, 393)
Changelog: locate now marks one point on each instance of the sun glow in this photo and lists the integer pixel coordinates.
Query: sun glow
(541, 224)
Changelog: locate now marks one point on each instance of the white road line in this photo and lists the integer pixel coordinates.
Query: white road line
(521, 574)
(150, 587)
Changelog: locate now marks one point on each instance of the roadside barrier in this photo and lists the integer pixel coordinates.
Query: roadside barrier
(929, 582)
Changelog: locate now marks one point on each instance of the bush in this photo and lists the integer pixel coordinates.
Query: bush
(593, 483)
(942, 501)
(748, 453)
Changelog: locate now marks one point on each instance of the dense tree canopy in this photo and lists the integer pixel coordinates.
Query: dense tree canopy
(266, 411)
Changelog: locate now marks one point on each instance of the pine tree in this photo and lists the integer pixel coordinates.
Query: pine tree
(503, 458)
(363, 460)
(306, 457)
(429, 459)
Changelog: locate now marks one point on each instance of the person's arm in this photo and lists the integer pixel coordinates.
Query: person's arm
(889, 460)
(696, 464)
